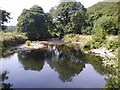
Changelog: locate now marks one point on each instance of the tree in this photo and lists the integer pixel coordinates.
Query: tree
(50, 24)
(99, 33)
(4, 17)
(33, 22)
(76, 23)
(106, 9)
(65, 15)
(108, 24)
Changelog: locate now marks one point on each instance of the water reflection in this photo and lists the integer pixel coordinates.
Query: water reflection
(68, 64)
(96, 62)
(32, 60)
(66, 69)
(64, 64)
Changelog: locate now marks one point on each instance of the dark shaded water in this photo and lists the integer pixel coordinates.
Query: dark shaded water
(59, 67)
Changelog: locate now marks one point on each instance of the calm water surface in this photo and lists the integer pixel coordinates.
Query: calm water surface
(57, 67)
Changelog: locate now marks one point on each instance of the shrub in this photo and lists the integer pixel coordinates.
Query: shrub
(68, 38)
(28, 43)
(112, 44)
(9, 39)
(99, 34)
(93, 44)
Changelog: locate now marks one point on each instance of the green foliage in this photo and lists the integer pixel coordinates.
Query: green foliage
(50, 24)
(103, 26)
(113, 82)
(108, 11)
(99, 34)
(112, 44)
(68, 38)
(76, 23)
(68, 17)
(107, 23)
(9, 39)
(93, 44)
(33, 23)
(107, 8)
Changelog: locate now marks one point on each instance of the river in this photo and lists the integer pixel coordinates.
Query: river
(56, 67)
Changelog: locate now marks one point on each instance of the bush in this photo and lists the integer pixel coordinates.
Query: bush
(112, 44)
(9, 39)
(99, 34)
(113, 82)
(93, 44)
(28, 43)
(68, 38)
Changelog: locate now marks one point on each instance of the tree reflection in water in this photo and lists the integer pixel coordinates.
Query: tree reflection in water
(32, 60)
(65, 62)
(96, 62)
(68, 64)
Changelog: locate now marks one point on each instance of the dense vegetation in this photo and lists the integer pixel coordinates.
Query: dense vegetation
(65, 21)
(68, 17)
(33, 23)
(106, 15)
(9, 39)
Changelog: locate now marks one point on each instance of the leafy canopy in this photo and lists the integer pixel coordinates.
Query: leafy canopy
(108, 11)
(33, 23)
(68, 17)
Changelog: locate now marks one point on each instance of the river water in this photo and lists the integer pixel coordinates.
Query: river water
(56, 67)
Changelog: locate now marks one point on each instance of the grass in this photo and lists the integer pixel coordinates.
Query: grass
(9, 39)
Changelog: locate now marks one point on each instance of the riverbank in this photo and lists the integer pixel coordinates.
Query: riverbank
(102, 52)
(31, 45)
(9, 39)
(108, 50)
(81, 43)
(109, 61)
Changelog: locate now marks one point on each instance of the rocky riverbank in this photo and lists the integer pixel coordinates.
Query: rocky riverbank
(102, 52)
(29, 45)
